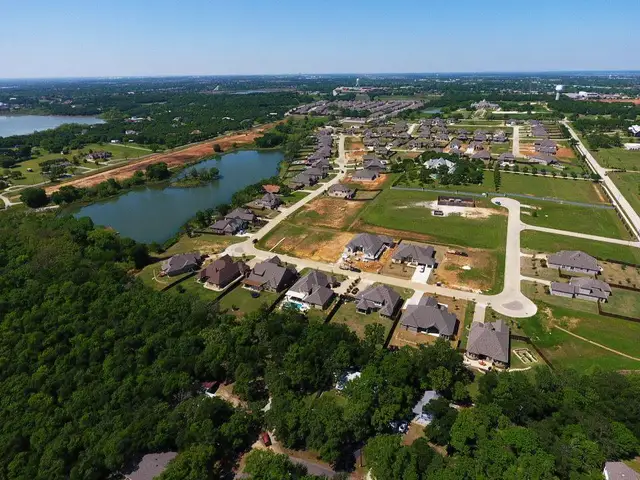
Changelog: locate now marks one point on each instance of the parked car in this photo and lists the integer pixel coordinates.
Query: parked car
(266, 439)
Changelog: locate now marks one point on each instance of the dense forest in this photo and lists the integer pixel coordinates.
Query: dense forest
(98, 369)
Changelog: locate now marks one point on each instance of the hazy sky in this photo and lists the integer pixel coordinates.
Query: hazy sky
(45, 38)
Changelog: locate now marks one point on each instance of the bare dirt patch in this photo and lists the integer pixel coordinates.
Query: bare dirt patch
(172, 159)
(467, 212)
(565, 152)
(598, 189)
(328, 212)
(378, 265)
(617, 274)
(355, 156)
(315, 244)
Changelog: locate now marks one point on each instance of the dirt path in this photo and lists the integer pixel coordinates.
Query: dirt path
(172, 159)
(597, 344)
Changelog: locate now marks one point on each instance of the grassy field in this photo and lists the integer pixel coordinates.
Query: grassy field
(629, 185)
(623, 302)
(548, 243)
(118, 151)
(594, 221)
(357, 322)
(560, 188)
(240, 302)
(618, 158)
(192, 287)
(396, 209)
(566, 351)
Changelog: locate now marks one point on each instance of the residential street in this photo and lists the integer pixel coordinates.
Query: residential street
(510, 302)
(618, 198)
(586, 236)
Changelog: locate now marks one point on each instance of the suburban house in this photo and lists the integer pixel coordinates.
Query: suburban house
(270, 275)
(507, 157)
(313, 290)
(546, 146)
(228, 226)
(489, 341)
(455, 144)
(449, 201)
(222, 272)
(584, 288)
(429, 317)
(435, 163)
(151, 466)
(365, 176)
(270, 201)
(574, 261)
(619, 471)
(634, 130)
(243, 214)
(414, 255)
(422, 418)
(484, 105)
(544, 159)
(370, 245)
(375, 165)
(379, 298)
(305, 179)
(102, 155)
(499, 137)
(481, 155)
(182, 263)
(341, 191)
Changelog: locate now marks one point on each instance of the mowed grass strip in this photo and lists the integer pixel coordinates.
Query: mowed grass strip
(396, 209)
(594, 221)
(541, 242)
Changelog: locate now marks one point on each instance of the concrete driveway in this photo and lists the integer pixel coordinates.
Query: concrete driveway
(421, 276)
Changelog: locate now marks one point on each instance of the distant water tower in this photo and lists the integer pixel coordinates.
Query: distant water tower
(357, 82)
(558, 91)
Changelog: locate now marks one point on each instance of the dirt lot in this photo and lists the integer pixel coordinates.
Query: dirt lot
(315, 244)
(377, 266)
(328, 212)
(565, 152)
(481, 276)
(172, 159)
(467, 212)
(620, 274)
(635, 101)
(355, 156)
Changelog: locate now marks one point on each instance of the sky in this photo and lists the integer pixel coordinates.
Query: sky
(92, 38)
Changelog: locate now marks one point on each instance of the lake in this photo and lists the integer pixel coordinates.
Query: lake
(155, 214)
(26, 124)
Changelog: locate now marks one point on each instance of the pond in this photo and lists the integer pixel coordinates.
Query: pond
(155, 214)
(26, 124)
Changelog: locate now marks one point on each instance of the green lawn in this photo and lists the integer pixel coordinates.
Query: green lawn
(294, 197)
(594, 221)
(549, 243)
(150, 276)
(515, 362)
(629, 185)
(357, 322)
(192, 287)
(244, 303)
(396, 209)
(618, 158)
(623, 302)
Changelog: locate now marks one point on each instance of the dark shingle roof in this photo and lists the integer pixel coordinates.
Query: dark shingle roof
(417, 253)
(575, 259)
(489, 339)
(379, 294)
(151, 466)
(426, 315)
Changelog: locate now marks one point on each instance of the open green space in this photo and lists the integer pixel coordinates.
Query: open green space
(629, 185)
(515, 362)
(294, 197)
(618, 158)
(192, 287)
(539, 186)
(541, 242)
(357, 322)
(240, 302)
(623, 302)
(150, 276)
(594, 221)
(401, 210)
(567, 351)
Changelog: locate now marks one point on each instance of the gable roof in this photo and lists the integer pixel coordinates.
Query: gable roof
(270, 273)
(180, 261)
(365, 175)
(223, 270)
(242, 213)
(574, 259)
(506, 156)
(271, 188)
(315, 278)
(417, 253)
(379, 294)
(229, 225)
(370, 244)
(340, 187)
(490, 339)
(426, 315)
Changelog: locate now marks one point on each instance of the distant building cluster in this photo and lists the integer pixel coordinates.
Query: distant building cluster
(378, 109)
